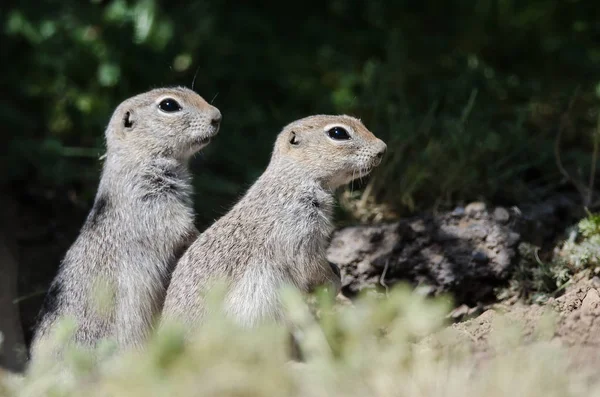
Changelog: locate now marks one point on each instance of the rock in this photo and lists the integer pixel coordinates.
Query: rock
(343, 300)
(424, 290)
(467, 256)
(591, 302)
(418, 226)
(480, 256)
(363, 267)
(459, 312)
(464, 312)
(539, 222)
(475, 208)
(466, 252)
(458, 211)
(504, 257)
(501, 215)
(512, 239)
(580, 312)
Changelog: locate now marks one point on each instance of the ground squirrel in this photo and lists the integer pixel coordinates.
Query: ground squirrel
(141, 221)
(278, 232)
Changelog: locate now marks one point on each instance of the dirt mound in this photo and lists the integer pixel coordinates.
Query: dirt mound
(572, 321)
(579, 311)
(467, 252)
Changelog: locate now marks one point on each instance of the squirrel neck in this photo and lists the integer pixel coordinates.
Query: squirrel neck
(290, 172)
(288, 184)
(145, 177)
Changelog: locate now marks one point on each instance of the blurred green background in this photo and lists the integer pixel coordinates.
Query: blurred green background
(476, 100)
(468, 95)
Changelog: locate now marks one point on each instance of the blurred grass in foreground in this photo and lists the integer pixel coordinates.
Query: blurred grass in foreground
(393, 346)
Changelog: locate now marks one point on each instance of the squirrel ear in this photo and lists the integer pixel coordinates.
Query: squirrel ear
(128, 120)
(294, 139)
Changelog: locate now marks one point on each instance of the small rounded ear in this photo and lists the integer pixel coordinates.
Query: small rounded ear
(128, 119)
(294, 138)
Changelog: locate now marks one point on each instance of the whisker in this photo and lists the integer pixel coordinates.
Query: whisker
(194, 79)
(215, 97)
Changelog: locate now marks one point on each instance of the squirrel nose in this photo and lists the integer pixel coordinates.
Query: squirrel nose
(382, 150)
(216, 118)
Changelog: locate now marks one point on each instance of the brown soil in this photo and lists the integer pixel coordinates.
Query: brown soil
(467, 253)
(571, 321)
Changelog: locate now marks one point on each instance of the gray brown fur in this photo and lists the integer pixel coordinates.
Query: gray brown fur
(277, 234)
(141, 222)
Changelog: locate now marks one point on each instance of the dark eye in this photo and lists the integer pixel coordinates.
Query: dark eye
(169, 105)
(338, 133)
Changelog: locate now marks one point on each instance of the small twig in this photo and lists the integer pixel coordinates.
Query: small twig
(562, 286)
(469, 107)
(352, 101)
(194, 79)
(565, 123)
(32, 295)
(68, 151)
(367, 192)
(382, 278)
(429, 118)
(537, 257)
(594, 163)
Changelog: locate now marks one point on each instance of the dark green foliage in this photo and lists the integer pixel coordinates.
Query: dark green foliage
(534, 279)
(467, 96)
(537, 279)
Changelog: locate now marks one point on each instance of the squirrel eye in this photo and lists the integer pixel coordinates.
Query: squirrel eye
(338, 133)
(169, 105)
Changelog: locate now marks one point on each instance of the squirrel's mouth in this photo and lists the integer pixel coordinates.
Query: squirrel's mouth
(200, 143)
(361, 173)
(355, 174)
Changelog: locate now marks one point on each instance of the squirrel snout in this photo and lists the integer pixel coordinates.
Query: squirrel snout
(382, 149)
(215, 117)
